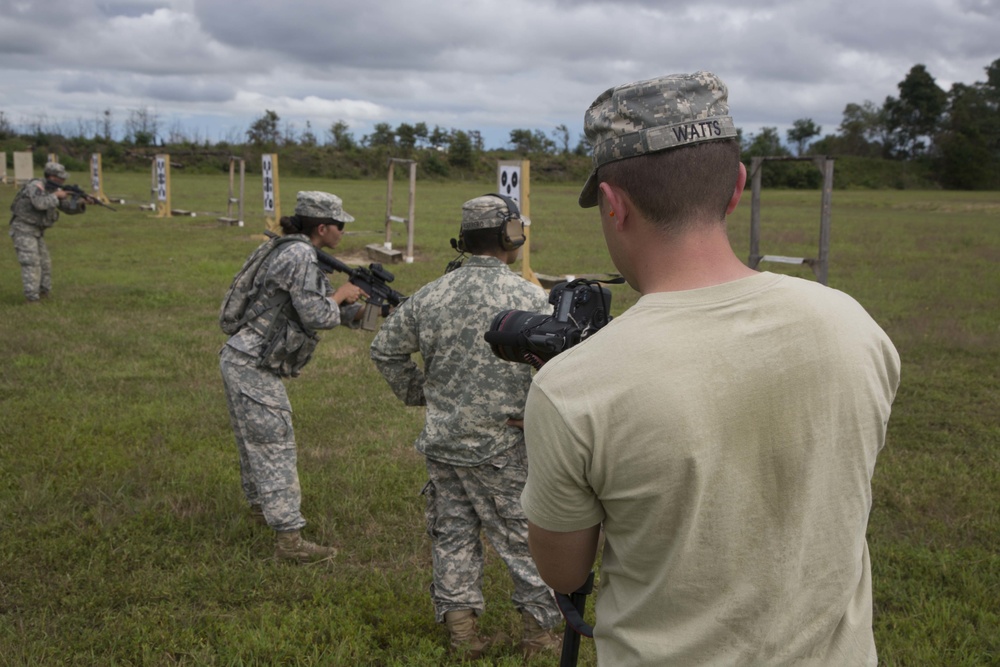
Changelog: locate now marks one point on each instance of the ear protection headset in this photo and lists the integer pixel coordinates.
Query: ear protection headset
(507, 241)
(504, 238)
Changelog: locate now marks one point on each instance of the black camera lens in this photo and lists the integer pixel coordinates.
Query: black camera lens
(579, 309)
(507, 333)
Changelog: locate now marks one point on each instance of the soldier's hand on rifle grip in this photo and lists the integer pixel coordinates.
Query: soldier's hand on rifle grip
(348, 293)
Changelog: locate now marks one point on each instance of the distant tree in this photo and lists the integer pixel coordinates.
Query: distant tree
(106, 125)
(561, 133)
(526, 142)
(289, 134)
(914, 117)
(6, 129)
(234, 137)
(476, 137)
(176, 134)
(382, 136)
(862, 129)
(341, 139)
(583, 146)
(142, 126)
(81, 129)
(767, 143)
(801, 132)
(439, 138)
(264, 130)
(420, 134)
(308, 137)
(968, 146)
(406, 136)
(521, 140)
(461, 153)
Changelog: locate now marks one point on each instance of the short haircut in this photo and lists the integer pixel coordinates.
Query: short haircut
(676, 187)
(480, 241)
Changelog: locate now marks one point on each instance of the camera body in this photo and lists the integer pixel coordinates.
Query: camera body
(580, 308)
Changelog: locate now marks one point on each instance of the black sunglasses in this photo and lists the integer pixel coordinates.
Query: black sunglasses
(339, 224)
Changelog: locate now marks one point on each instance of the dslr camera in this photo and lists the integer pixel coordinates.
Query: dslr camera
(580, 308)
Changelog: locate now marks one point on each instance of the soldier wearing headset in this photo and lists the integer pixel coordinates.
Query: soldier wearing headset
(472, 438)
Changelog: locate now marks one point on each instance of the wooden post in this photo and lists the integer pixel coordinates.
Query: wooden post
(755, 167)
(232, 192)
(388, 204)
(820, 264)
(410, 219)
(385, 251)
(826, 208)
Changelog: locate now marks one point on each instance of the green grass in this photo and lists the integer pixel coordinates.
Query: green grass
(123, 537)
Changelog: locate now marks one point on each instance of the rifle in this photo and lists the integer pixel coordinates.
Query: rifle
(51, 186)
(373, 281)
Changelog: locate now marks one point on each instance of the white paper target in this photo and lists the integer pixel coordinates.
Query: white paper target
(161, 179)
(509, 182)
(267, 169)
(95, 172)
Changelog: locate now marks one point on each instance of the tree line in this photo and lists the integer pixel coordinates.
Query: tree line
(953, 136)
(923, 137)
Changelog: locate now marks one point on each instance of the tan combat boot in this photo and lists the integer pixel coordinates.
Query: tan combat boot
(464, 630)
(290, 545)
(537, 639)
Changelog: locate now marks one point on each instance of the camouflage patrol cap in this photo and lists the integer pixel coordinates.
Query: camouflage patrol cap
(316, 204)
(55, 169)
(485, 212)
(654, 115)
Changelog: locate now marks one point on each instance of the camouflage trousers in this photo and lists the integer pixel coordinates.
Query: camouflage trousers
(261, 417)
(461, 502)
(33, 256)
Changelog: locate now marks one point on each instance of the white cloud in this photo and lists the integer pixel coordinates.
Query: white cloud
(471, 64)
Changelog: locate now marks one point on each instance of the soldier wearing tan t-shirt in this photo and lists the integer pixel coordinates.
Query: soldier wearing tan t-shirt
(723, 431)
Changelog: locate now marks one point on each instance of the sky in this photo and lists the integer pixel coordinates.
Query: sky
(206, 69)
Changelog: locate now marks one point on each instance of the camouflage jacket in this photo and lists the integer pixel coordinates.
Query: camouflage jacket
(469, 392)
(35, 206)
(295, 270)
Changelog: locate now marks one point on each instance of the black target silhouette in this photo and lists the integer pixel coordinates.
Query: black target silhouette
(508, 184)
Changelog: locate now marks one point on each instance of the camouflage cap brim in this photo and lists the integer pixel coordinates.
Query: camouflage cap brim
(588, 196)
(314, 204)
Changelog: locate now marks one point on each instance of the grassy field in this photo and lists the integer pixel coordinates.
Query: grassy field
(123, 535)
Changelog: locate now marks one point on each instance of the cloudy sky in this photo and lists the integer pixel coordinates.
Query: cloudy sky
(208, 68)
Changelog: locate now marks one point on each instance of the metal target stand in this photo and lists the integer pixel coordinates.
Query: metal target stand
(385, 251)
(820, 264)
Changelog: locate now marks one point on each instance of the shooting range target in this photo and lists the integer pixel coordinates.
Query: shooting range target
(510, 182)
(267, 169)
(161, 178)
(95, 172)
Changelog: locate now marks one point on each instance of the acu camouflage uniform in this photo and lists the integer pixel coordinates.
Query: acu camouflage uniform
(477, 464)
(259, 410)
(34, 210)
